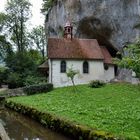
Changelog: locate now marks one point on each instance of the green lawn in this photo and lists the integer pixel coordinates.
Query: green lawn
(114, 108)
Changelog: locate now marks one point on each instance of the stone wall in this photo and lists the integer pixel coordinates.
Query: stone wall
(3, 134)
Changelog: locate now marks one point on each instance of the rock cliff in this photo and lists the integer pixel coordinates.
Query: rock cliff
(112, 22)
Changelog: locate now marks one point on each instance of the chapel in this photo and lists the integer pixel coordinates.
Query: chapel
(92, 61)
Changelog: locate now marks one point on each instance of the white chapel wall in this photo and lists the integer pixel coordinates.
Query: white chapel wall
(96, 71)
(110, 73)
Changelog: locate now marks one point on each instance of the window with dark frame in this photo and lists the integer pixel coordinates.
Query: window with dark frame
(63, 67)
(106, 67)
(85, 67)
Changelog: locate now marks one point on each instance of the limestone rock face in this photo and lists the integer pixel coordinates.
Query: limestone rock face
(112, 22)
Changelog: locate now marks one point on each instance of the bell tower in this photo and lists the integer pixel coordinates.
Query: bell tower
(68, 30)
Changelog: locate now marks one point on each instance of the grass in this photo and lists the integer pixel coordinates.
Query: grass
(114, 108)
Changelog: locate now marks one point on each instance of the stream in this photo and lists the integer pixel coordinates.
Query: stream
(20, 127)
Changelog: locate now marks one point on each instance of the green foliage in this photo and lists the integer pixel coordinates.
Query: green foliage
(32, 80)
(35, 56)
(131, 58)
(71, 73)
(21, 60)
(3, 75)
(69, 128)
(35, 89)
(5, 47)
(21, 63)
(38, 39)
(15, 80)
(3, 18)
(113, 108)
(17, 14)
(96, 84)
(47, 4)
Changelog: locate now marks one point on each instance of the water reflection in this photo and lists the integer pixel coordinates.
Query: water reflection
(20, 127)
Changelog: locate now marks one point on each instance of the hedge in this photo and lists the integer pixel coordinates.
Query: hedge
(33, 89)
(62, 125)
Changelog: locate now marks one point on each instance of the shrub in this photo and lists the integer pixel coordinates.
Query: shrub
(96, 84)
(3, 75)
(33, 89)
(34, 80)
(15, 81)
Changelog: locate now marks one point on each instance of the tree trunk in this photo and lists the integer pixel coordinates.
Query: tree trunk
(73, 84)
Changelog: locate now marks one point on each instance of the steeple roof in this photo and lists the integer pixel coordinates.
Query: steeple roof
(68, 24)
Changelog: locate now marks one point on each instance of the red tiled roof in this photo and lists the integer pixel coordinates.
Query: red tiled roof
(107, 56)
(61, 48)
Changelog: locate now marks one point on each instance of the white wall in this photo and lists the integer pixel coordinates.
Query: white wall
(96, 71)
(110, 73)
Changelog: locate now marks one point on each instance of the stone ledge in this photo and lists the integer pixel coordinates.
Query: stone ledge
(3, 134)
(61, 125)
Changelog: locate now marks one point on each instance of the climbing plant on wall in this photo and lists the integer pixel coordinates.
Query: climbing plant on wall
(131, 58)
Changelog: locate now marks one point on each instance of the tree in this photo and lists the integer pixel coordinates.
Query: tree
(3, 18)
(5, 47)
(38, 37)
(131, 58)
(21, 61)
(17, 14)
(71, 73)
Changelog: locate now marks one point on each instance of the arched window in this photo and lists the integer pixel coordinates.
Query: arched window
(85, 67)
(63, 66)
(106, 67)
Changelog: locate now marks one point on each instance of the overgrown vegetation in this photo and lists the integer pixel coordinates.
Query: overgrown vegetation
(96, 84)
(34, 80)
(18, 55)
(113, 108)
(62, 125)
(3, 75)
(131, 58)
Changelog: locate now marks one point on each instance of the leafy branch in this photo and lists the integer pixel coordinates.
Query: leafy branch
(71, 73)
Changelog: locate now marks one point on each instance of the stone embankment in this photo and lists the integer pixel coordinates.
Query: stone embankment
(3, 134)
(61, 125)
(6, 93)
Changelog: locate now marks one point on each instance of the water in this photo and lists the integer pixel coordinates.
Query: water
(20, 127)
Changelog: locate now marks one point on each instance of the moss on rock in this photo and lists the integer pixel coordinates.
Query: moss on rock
(61, 125)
